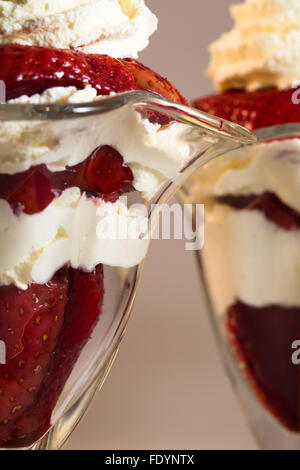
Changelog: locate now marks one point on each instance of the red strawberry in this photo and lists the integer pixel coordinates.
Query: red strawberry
(33, 195)
(148, 80)
(262, 341)
(270, 205)
(253, 110)
(18, 308)
(58, 320)
(103, 173)
(29, 70)
(33, 318)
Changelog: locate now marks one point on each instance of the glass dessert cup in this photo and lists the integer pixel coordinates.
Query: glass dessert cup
(78, 368)
(258, 339)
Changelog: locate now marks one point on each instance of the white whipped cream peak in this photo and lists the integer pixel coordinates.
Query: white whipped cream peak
(262, 49)
(120, 28)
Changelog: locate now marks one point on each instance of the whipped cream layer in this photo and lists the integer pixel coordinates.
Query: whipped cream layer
(35, 246)
(154, 153)
(246, 256)
(267, 167)
(72, 229)
(262, 49)
(120, 28)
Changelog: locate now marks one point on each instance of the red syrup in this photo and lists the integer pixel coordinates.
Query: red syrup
(102, 174)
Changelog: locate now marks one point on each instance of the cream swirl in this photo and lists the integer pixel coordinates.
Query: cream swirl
(262, 49)
(115, 27)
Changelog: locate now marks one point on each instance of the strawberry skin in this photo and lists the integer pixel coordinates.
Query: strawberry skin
(151, 81)
(35, 326)
(253, 110)
(268, 204)
(18, 308)
(56, 321)
(27, 70)
(34, 195)
(103, 174)
(261, 338)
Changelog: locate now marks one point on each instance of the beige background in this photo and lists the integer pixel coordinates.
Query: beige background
(167, 389)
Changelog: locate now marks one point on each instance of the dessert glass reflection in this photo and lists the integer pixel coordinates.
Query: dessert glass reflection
(250, 260)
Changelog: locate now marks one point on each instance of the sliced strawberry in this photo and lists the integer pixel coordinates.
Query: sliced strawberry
(63, 314)
(30, 191)
(262, 341)
(148, 80)
(253, 110)
(18, 307)
(268, 204)
(35, 324)
(29, 70)
(34, 195)
(103, 174)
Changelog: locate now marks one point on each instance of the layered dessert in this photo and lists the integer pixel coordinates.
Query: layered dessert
(59, 179)
(251, 255)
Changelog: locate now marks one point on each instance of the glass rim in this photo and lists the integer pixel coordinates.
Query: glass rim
(279, 130)
(140, 99)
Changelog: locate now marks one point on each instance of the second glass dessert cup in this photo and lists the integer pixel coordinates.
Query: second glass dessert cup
(60, 336)
(249, 275)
